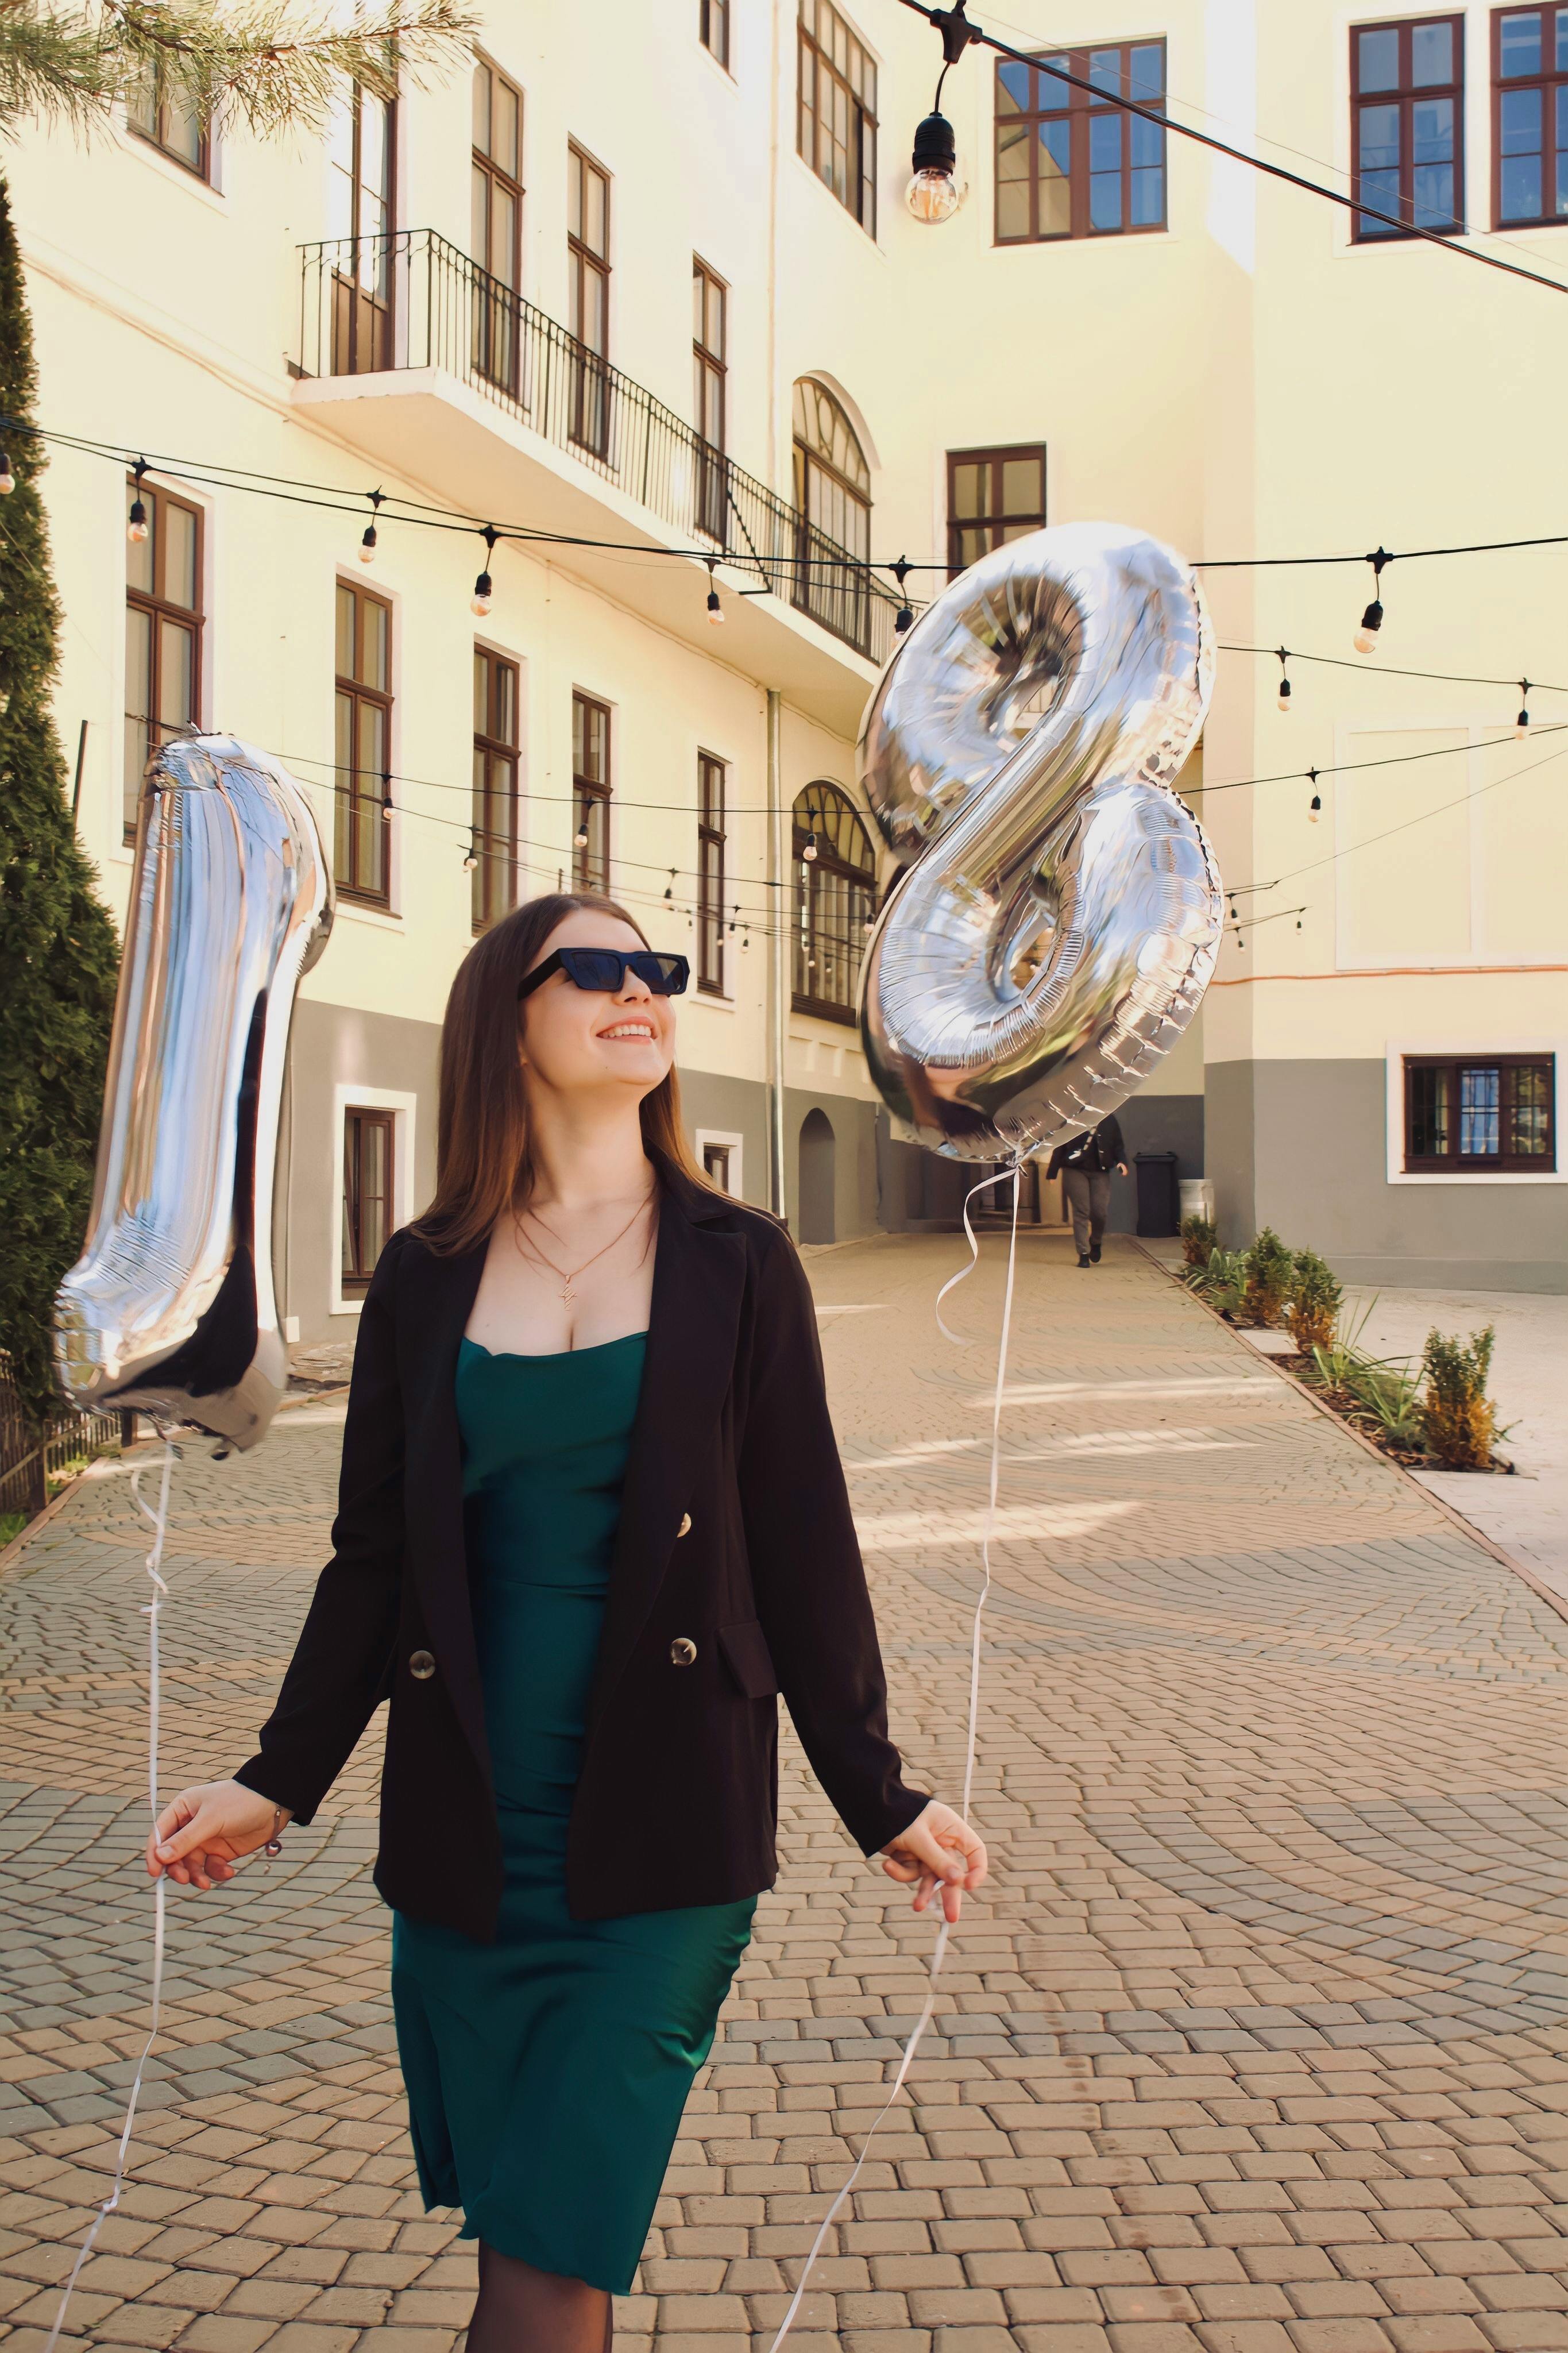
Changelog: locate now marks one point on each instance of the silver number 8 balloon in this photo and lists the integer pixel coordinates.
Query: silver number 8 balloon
(1060, 914)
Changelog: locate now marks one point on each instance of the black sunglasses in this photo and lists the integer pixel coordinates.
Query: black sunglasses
(605, 970)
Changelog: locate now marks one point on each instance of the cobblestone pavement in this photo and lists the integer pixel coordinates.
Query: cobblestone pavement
(1259, 2046)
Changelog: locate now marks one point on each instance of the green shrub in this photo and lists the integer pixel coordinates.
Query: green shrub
(1459, 1418)
(1316, 1298)
(1200, 1238)
(1222, 1280)
(1268, 1275)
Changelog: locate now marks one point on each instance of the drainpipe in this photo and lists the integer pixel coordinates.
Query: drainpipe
(778, 969)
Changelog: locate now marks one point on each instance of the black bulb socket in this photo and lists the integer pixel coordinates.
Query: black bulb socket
(935, 148)
(1373, 616)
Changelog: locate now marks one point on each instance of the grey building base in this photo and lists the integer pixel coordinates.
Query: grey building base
(922, 1192)
(331, 1046)
(1301, 1146)
(830, 1151)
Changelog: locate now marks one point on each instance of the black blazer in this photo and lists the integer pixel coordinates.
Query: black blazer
(735, 1536)
(1098, 1148)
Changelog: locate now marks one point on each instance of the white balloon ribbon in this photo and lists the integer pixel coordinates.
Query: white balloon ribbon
(158, 1519)
(944, 1931)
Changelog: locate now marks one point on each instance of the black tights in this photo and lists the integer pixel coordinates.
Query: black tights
(521, 2310)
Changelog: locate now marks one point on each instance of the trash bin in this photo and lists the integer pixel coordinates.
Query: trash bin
(1158, 1199)
(1196, 1197)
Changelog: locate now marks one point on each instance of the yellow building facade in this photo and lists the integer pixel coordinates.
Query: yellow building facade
(644, 287)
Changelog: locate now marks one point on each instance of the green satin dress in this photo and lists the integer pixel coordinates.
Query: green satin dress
(547, 2072)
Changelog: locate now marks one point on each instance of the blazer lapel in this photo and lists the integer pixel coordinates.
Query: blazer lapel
(432, 1479)
(698, 1279)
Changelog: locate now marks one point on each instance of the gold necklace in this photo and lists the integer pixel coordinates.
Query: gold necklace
(567, 1280)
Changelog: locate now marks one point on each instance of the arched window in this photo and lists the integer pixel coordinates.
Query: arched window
(836, 892)
(833, 499)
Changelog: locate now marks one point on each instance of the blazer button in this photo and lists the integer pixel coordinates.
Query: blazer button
(685, 1528)
(683, 1651)
(421, 1666)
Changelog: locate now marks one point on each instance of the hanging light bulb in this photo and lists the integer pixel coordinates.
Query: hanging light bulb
(136, 524)
(809, 852)
(1372, 620)
(669, 887)
(904, 618)
(484, 586)
(1315, 806)
(7, 479)
(580, 839)
(1522, 724)
(935, 192)
(386, 800)
(715, 609)
(1284, 681)
(472, 860)
(367, 543)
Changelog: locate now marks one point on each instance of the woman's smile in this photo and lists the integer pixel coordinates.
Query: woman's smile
(633, 1028)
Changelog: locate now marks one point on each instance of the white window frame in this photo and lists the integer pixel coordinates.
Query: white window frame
(1464, 1049)
(404, 1108)
(733, 1145)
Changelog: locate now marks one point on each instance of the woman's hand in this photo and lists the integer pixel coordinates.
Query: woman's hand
(200, 1838)
(940, 1850)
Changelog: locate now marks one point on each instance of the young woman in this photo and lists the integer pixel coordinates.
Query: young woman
(591, 1522)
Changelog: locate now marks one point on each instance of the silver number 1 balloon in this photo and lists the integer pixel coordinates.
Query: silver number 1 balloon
(171, 1305)
(1061, 913)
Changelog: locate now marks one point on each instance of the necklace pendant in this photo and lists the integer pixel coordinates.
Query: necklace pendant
(568, 1295)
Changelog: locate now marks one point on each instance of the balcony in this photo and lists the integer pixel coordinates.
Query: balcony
(410, 302)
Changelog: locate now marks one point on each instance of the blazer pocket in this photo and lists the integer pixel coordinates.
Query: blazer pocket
(748, 1658)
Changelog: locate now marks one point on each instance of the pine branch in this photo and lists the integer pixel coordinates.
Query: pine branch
(264, 62)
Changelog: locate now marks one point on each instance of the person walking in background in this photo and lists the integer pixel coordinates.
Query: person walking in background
(1084, 1167)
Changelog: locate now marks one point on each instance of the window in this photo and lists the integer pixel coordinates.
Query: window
(1069, 162)
(1494, 1113)
(1405, 98)
(993, 496)
(359, 218)
(716, 1165)
(162, 634)
(710, 332)
(588, 250)
(590, 793)
(167, 124)
(713, 19)
(368, 1195)
(362, 867)
(495, 787)
(836, 129)
(497, 175)
(835, 896)
(710, 873)
(833, 499)
(1529, 116)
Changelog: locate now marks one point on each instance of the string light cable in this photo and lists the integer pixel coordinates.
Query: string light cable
(946, 19)
(332, 498)
(1314, 865)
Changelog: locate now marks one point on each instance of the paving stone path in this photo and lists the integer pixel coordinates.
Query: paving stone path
(1260, 2044)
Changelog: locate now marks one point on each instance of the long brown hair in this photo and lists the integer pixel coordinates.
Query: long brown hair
(483, 1164)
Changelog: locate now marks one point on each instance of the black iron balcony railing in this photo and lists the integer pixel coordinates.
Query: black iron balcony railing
(410, 300)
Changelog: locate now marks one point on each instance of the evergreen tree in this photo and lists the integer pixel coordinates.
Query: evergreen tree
(58, 951)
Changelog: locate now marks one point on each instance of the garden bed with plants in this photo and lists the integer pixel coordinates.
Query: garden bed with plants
(1430, 1412)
